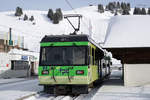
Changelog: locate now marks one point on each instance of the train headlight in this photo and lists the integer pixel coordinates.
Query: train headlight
(45, 72)
(80, 72)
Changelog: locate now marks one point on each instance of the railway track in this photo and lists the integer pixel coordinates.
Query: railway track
(44, 96)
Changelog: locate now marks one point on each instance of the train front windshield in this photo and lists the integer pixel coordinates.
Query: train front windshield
(63, 56)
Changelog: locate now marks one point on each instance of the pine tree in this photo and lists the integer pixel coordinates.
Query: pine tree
(148, 11)
(139, 12)
(111, 6)
(114, 5)
(123, 6)
(50, 14)
(100, 8)
(19, 11)
(118, 5)
(106, 8)
(128, 7)
(125, 12)
(56, 18)
(25, 17)
(143, 11)
(135, 11)
(32, 18)
(59, 13)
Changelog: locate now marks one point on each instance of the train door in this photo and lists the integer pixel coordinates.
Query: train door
(93, 73)
(91, 56)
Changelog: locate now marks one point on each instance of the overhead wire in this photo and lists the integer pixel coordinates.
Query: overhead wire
(70, 5)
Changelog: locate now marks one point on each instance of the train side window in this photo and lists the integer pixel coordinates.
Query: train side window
(93, 56)
(43, 54)
(89, 56)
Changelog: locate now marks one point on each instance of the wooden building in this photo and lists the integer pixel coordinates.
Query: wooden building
(128, 39)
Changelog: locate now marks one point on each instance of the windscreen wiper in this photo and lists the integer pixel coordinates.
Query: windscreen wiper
(53, 68)
(69, 73)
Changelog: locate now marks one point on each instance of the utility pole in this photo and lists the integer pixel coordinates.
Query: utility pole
(10, 36)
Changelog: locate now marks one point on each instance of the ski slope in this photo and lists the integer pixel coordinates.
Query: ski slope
(92, 22)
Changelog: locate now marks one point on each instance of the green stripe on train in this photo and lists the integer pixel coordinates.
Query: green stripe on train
(61, 70)
(44, 44)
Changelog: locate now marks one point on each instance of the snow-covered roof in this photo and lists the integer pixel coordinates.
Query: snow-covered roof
(21, 52)
(128, 31)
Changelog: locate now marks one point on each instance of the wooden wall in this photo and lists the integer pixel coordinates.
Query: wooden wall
(131, 55)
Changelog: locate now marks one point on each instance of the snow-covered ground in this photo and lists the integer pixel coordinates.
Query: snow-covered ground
(113, 89)
(17, 90)
(11, 80)
(93, 22)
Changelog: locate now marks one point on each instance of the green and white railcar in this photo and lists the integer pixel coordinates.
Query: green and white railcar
(69, 63)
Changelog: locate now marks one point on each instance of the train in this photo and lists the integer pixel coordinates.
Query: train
(71, 64)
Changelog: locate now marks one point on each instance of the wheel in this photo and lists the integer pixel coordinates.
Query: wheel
(80, 89)
(48, 89)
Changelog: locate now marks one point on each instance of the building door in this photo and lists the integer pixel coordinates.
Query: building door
(32, 68)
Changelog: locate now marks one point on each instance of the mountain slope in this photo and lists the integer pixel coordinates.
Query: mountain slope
(91, 22)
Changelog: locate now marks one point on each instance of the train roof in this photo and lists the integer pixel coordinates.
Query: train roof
(69, 38)
(64, 38)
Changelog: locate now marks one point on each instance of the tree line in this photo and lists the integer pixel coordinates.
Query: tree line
(115, 7)
(122, 8)
(55, 17)
(19, 12)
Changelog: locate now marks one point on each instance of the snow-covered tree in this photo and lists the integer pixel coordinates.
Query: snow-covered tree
(106, 8)
(148, 11)
(50, 14)
(56, 18)
(19, 11)
(100, 8)
(118, 5)
(111, 6)
(125, 12)
(128, 7)
(143, 11)
(59, 13)
(32, 18)
(25, 17)
(137, 11)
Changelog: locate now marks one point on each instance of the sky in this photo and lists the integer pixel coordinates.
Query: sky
(9, 5)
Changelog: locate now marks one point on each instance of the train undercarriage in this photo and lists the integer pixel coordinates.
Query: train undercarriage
(66, 89)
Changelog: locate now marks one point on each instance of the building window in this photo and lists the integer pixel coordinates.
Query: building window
(19, 65)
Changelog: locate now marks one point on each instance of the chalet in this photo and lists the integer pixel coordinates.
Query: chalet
(128, 38)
